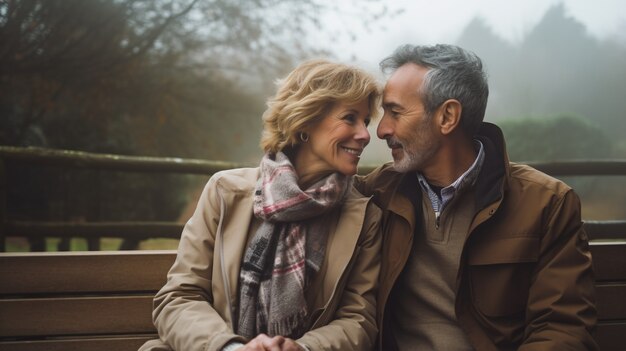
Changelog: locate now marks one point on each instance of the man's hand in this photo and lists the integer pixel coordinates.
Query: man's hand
(263, 342)
(291, 345)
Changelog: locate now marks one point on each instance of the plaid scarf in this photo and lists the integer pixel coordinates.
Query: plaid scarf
(286, 250)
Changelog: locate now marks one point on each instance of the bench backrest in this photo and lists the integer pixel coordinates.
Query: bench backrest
(79, 301)
(103, 300)
(609, 263)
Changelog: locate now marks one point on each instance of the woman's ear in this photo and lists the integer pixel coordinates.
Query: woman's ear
(450, 116)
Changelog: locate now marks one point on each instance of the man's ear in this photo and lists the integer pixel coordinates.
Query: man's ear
(450, 116)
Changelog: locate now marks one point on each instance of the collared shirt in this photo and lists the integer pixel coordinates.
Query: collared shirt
(468, 178)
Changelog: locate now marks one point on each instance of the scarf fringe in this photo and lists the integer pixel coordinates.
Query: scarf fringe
(290, 326)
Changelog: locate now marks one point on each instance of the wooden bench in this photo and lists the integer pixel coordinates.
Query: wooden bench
(79, 300)
(103, 300)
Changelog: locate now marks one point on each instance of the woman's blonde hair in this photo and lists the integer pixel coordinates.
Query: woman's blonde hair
(307, 94)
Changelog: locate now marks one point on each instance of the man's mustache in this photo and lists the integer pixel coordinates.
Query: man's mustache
(393, 142)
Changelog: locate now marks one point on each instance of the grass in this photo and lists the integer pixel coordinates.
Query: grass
(595, 207)
(15, 244)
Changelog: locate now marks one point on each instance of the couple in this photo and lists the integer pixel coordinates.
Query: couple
(451, 248)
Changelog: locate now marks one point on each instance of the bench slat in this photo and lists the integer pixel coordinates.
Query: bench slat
(131, 343)
(611, 301)
(76, 316)
(614, 229)
(121, 318)
(611, 336)
(68, 272)
(609, 260)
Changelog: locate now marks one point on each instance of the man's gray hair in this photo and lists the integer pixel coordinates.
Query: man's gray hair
(454, 73)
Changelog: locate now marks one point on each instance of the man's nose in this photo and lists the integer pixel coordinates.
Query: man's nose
(384, 129)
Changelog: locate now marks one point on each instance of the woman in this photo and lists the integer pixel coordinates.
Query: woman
(284, 256)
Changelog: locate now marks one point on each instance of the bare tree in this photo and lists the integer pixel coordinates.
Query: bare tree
(154, 77)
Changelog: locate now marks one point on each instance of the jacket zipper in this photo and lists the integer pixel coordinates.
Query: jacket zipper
(223, 267)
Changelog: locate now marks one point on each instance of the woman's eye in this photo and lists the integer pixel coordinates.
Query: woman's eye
(367, 122)
(350, 118)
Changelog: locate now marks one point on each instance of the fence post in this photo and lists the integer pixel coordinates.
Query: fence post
(3, 205)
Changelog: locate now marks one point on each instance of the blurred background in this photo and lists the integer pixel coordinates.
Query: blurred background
(189, 79)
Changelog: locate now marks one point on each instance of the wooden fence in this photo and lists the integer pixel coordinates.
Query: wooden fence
(134, 232)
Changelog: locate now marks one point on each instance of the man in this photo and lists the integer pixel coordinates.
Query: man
(479, 253)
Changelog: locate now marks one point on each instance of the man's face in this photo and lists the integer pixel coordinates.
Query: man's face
(408, 130)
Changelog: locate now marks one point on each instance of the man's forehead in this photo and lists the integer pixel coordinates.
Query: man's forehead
(408, 73)
(390, 96)
(403, 83)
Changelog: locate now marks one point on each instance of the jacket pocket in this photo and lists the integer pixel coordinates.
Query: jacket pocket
(500, 274)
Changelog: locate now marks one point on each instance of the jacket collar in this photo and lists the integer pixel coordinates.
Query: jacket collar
(400, 193)
(394, 191)
(492, 179)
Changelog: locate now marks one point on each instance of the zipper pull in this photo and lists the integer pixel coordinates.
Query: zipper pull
(437, 217)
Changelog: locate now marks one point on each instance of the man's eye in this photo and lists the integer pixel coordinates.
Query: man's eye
(391, 112)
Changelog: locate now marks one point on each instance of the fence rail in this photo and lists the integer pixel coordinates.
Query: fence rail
(87, 160)
(133, 232)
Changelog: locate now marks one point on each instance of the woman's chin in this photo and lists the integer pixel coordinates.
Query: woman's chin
(348, 171)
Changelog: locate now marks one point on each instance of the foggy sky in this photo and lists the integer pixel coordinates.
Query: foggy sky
(431, 22)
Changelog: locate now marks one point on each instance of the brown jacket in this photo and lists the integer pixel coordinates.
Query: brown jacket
(525, 280)
(193, 311)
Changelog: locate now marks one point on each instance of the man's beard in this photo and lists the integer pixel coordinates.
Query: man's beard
(415, 160)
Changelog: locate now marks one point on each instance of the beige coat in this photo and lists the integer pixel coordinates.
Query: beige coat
(193, 311)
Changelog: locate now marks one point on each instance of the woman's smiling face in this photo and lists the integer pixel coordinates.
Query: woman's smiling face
(335, 144)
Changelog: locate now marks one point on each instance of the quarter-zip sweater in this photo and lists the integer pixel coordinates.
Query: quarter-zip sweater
(423, 311)
(195, 308)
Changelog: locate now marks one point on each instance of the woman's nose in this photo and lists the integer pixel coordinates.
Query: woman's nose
(363, 134)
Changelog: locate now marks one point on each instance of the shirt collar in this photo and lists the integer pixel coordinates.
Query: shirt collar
(466, 179)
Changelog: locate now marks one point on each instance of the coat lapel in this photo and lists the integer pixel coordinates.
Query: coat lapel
(340, 251)
(235, 229)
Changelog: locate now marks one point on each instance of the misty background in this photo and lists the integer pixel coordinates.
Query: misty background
(190, 78)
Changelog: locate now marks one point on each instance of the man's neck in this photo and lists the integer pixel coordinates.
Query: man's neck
(453, 159)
